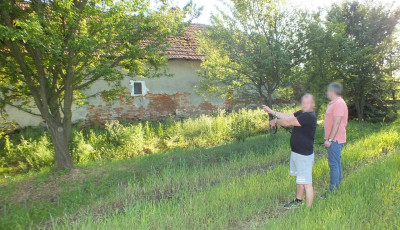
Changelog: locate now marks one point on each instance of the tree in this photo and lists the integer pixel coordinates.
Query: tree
(369, 31)
(355, 45)
(250, 51)
(51, 51)
(322, 64)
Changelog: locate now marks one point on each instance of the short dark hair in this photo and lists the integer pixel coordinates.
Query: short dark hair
(336, 87)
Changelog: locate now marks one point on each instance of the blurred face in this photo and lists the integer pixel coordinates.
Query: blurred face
(307, 104)
(331, 94)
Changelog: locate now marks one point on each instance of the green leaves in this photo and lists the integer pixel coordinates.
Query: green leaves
(353, 45)
(251, 51)
(51, 51)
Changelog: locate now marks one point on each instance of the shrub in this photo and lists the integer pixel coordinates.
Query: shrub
(28, 154)
(247, 123)
(82, 151)
(33, 149)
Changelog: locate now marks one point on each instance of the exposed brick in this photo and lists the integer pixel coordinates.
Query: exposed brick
(160, 106)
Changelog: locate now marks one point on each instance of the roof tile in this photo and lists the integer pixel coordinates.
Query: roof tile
(185, 47)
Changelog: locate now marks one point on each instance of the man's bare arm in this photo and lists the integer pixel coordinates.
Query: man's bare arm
(278, 114)
(287, 122)
(284, 115)
(335, 127)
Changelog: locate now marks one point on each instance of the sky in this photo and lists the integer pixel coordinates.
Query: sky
(210, 6)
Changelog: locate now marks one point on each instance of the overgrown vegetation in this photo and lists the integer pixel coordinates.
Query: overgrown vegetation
(356, 43)
(263, 50)
(251, 51)
(51, 52)
(241, 185)
(32, 149)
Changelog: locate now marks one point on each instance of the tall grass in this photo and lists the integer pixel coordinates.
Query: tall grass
(367, 199)
(27, 154)
(33, 150)
(238, 185)
(238, 200)
(151, 178)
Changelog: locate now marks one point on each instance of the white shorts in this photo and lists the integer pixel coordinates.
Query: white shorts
(301, 167)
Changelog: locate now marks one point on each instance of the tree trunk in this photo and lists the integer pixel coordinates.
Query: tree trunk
(359, 110)
(318, 109)
(61, 147)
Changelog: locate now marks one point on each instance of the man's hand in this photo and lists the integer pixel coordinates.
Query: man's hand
(272, 123)
(267, 109)
(327, 144)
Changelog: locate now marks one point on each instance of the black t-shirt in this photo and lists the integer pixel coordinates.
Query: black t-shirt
(302, 139)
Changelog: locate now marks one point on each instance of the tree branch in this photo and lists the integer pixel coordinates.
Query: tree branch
(16, 52)
(23, 109)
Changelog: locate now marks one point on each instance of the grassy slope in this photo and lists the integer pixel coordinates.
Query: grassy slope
(240, 185)
(368, 199)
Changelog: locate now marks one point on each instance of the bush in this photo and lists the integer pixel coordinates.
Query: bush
(27, 155)
(82, 151)
(32, 149)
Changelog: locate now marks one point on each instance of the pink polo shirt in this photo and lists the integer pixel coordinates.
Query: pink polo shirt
(335, 108)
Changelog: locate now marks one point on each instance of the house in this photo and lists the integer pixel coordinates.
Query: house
(147, 99)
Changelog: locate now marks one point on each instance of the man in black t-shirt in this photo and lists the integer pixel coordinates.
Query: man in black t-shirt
(304, 124)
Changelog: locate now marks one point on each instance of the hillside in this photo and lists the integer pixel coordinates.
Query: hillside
(241, 185)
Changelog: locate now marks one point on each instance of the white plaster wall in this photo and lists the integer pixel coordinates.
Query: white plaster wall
(185, 78)
(22, 118)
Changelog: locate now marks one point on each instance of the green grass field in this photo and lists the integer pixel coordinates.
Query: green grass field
(239, 185)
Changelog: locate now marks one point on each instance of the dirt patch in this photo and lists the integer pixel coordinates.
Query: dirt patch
(111, 208)
(261, 219)
(29, 190)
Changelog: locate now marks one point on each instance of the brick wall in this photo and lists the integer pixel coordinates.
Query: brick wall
(149, 107)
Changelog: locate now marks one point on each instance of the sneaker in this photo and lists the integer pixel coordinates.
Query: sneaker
(293, 204)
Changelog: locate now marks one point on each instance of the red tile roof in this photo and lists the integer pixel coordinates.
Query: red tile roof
(185, 47)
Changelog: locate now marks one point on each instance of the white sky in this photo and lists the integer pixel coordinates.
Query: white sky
(210, 6)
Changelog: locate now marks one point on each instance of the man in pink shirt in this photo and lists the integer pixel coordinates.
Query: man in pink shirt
(335, 132)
